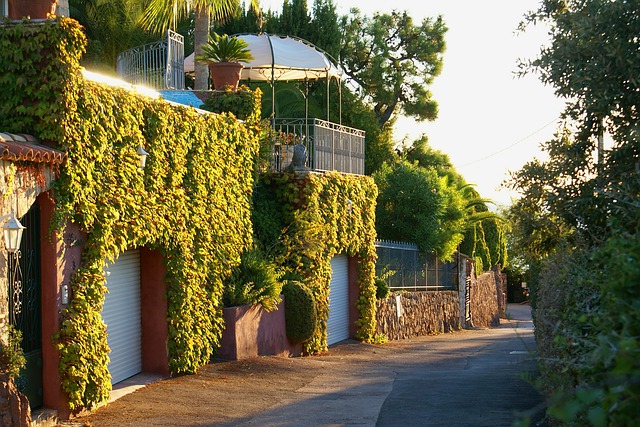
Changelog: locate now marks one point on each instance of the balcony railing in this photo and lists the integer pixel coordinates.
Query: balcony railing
(330, 146)
(158, 65)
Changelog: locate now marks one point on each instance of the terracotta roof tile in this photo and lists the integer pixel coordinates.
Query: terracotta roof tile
(26, 148)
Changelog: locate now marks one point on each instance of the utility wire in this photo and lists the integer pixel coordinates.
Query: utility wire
(520, 141)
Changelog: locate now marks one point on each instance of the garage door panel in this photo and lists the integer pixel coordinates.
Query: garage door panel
(338, 322)
(122, 315)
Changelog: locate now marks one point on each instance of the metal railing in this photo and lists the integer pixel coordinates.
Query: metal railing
(158, 65)
(330, 146)
(412, 271)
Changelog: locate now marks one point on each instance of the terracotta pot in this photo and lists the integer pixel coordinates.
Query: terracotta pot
(36, 9)
(225, 74)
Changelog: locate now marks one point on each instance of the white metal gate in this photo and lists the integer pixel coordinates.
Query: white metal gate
(121, 313)
(338, 323)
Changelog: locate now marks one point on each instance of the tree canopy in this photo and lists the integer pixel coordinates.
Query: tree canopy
(394, 61)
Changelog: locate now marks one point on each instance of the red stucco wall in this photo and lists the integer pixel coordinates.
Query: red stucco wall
(153, 302)
(59, 260)
(250, 331)
(36, 9)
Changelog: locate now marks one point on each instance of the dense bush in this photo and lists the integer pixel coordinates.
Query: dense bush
(254, 281)
(243, 103)
(587, 329)
(300, 311)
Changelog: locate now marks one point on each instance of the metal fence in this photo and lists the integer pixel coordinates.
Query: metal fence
(330, 146)
(411, 271)
(158, 65)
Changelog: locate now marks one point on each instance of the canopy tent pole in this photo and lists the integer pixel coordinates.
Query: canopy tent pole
(340, 98)
(306, 100)
(273, 79)
(328, 84)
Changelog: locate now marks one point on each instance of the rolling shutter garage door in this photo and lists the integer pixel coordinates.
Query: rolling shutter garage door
(338, 323)
(121, 313)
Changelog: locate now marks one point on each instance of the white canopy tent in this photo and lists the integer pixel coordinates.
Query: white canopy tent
(282, 58)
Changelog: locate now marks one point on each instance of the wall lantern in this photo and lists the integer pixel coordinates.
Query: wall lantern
(142, 154)
(13, 234)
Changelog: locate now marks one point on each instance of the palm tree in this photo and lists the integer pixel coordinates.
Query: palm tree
(161, 15)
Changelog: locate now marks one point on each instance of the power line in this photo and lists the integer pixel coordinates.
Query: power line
(520, 141)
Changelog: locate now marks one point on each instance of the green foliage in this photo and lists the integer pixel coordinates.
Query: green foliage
(416, 205)
(593, 51)
(160, 15)
(243, 103)
(11, 355)
(187, 203)
(300, 311)
(111, 27)
(254, 281)
(326, 215)
(266, 215)
(394, 61)
(223, 48)
(382, 288)
(587, 318)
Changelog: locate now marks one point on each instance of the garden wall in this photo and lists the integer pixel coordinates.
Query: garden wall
(487, 299)
(409, 314)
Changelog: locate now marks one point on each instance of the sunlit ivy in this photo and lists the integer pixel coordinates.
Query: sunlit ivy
(326, 215)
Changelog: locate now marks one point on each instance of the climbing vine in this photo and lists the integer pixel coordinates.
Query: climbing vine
(191, 202)
(326, 215)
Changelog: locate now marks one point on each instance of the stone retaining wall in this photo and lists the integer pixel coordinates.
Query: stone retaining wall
(409, 314)
(486, 306)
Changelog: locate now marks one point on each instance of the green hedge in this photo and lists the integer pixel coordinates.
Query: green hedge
(192, 202)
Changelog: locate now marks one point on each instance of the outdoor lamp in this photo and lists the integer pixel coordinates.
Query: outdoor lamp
(13, 234)
(142, 154)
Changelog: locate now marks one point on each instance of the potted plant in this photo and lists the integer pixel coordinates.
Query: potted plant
(224, 55)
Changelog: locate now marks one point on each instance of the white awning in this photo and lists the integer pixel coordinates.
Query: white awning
(281, 58)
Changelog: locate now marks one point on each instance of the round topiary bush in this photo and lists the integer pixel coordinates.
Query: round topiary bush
(300, 311)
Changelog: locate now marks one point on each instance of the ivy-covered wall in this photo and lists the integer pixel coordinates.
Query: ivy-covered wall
(191, 202)
(320, 216)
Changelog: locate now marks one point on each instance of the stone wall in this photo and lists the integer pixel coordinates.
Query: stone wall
(487, 299)
(14, 406)
(409, 314)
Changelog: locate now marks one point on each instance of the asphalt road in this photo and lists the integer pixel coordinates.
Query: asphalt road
(469, 378)
(466, 378)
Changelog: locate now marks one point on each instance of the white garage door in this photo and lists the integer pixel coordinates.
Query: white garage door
(121, 313)
(338, 323)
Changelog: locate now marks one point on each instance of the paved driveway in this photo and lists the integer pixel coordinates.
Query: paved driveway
(466, 378)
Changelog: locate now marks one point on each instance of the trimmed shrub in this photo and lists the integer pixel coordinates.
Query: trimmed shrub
(300, 311)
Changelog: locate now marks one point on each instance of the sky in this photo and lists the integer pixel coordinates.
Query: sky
(490, 122)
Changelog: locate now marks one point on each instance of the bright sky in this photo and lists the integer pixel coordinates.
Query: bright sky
(490, 122)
